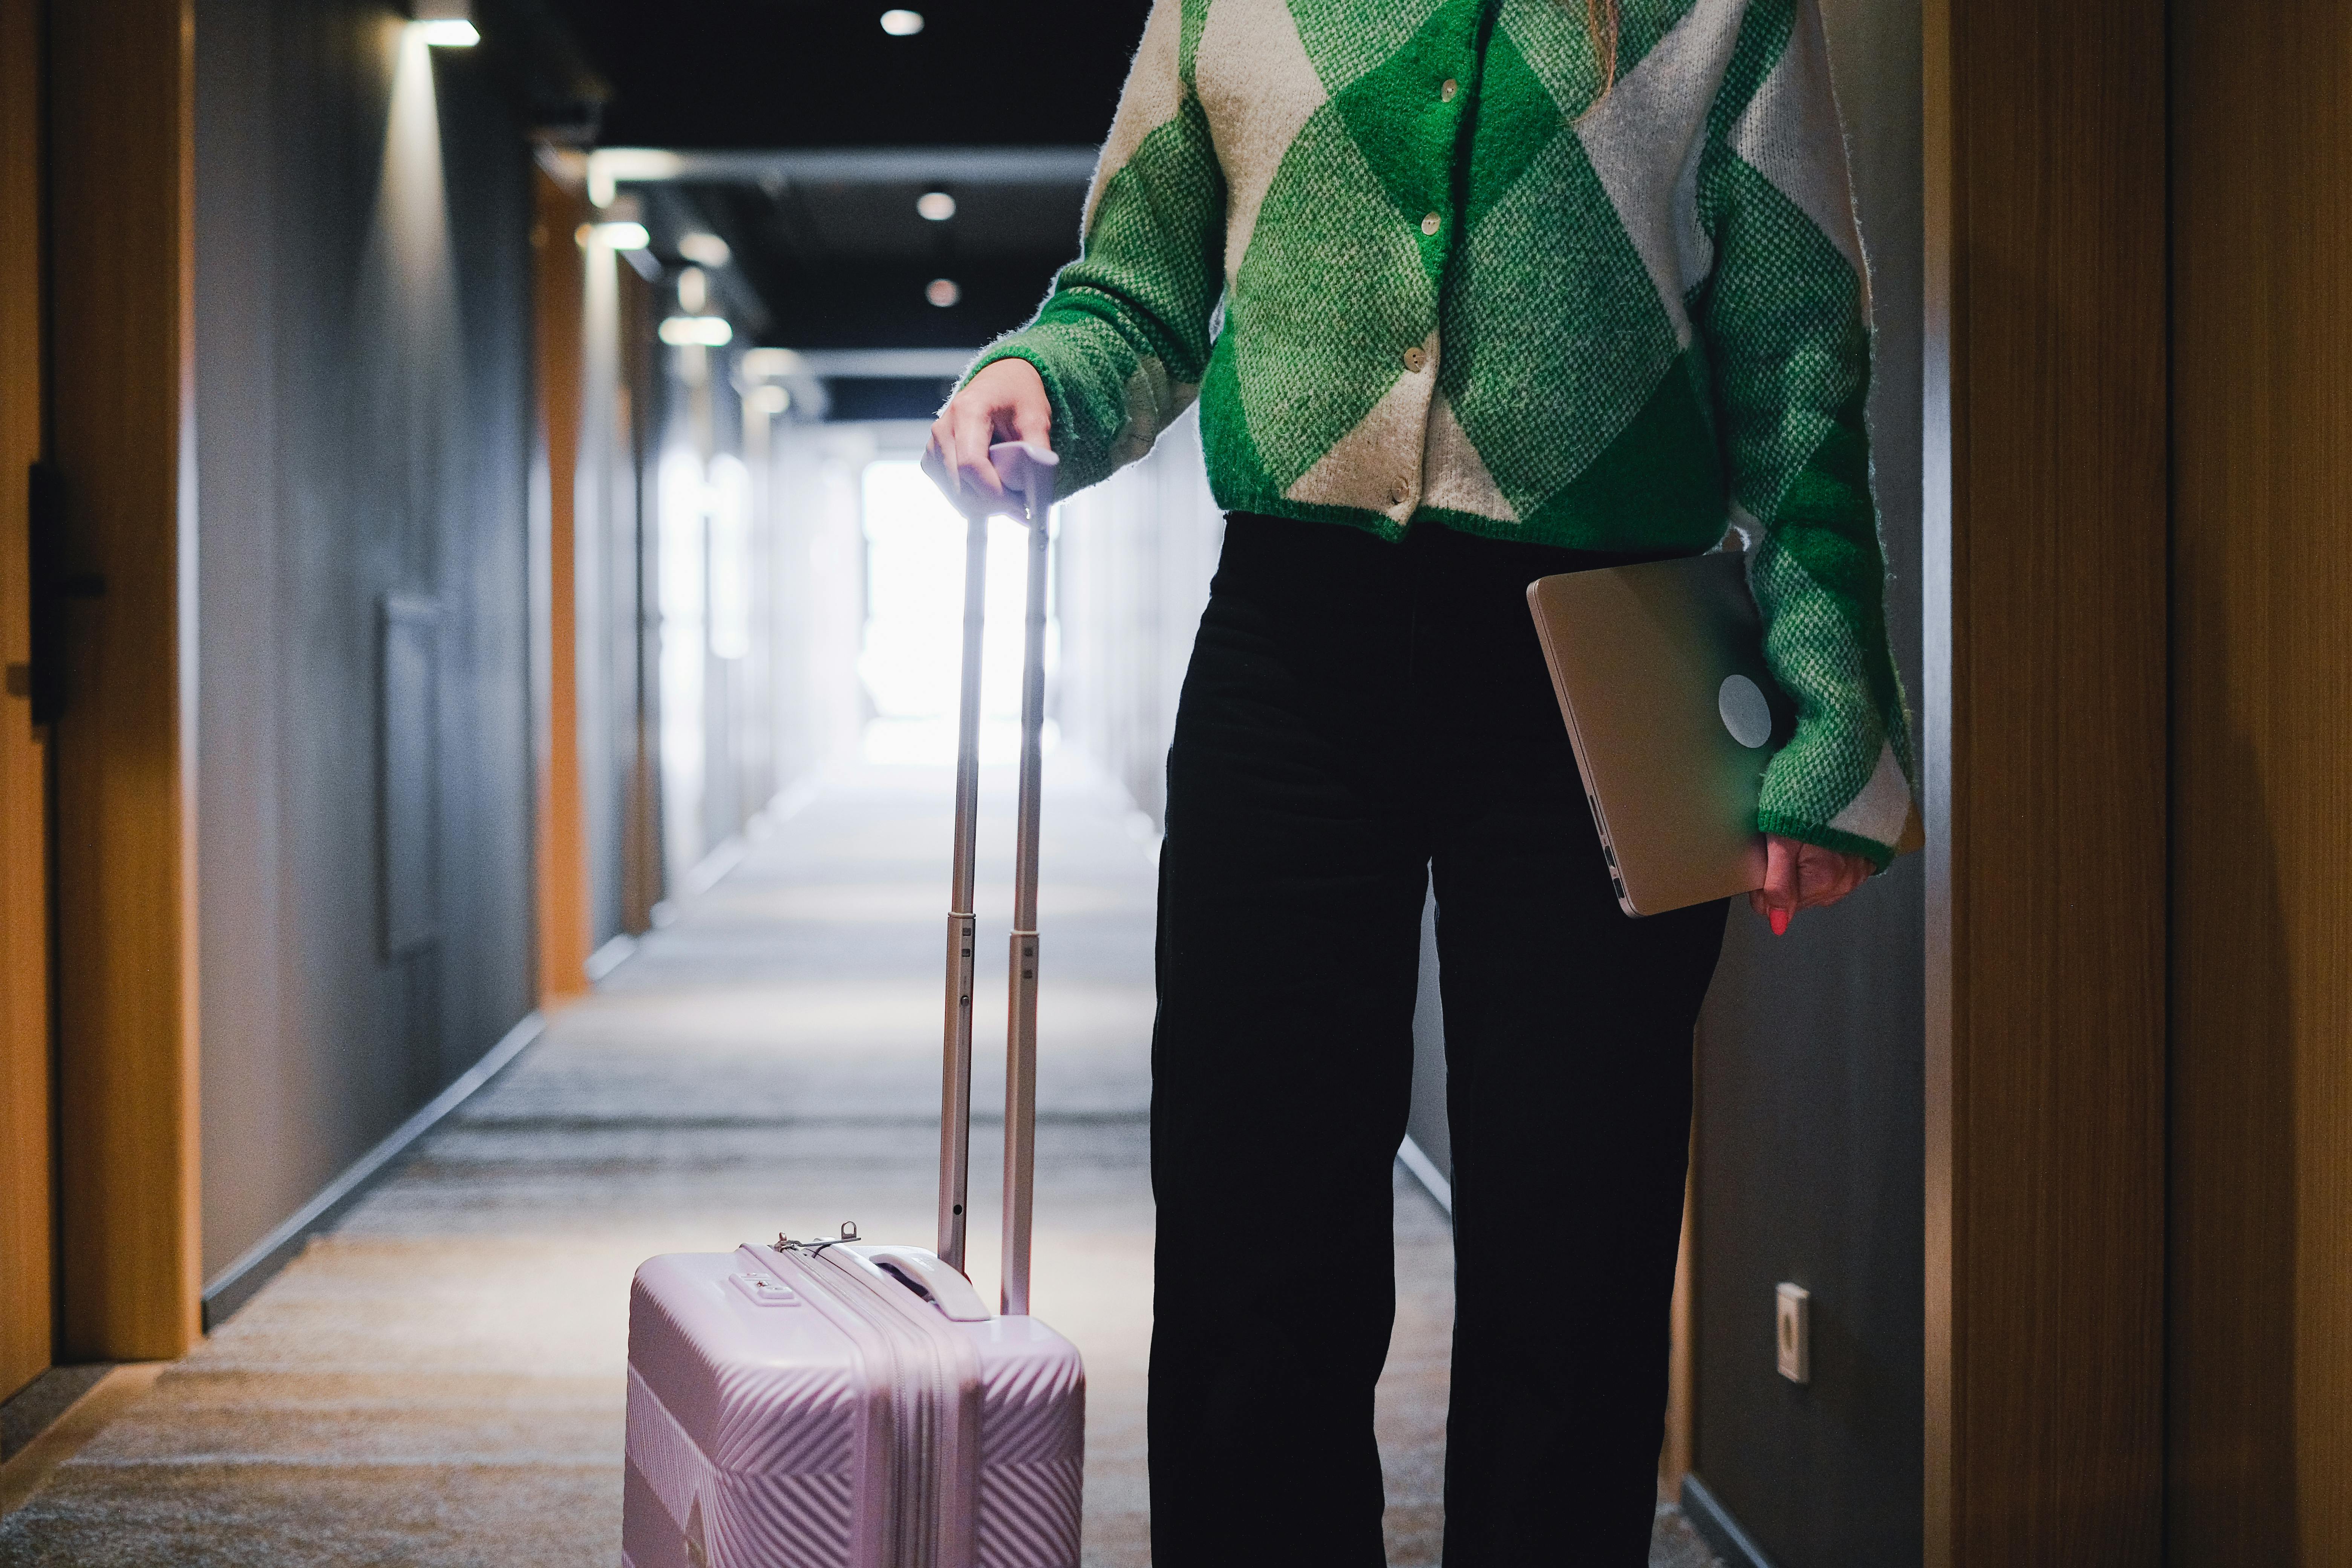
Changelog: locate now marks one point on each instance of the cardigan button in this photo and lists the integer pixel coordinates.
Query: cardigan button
(1413, 359)
(1445, 94)
(1430, 224)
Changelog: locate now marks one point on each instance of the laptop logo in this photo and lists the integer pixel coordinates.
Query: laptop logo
(1745, 712)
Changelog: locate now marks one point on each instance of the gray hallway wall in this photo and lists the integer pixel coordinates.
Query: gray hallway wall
(1810, 1118)
(363, 319)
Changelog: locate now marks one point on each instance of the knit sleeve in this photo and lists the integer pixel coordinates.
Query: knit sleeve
(1786, 318)
(1123, 340)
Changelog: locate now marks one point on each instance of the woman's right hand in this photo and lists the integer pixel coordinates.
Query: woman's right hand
(1005, 402)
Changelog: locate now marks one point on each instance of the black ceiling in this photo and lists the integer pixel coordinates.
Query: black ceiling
(842, 259)
(845, 264)
(822, 73)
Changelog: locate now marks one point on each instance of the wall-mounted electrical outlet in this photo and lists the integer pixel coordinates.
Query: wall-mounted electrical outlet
(1792, 1319)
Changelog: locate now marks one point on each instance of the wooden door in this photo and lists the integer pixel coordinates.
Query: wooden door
(27, 1206)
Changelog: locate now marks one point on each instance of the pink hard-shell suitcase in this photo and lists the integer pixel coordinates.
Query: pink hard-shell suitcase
(837, 1404)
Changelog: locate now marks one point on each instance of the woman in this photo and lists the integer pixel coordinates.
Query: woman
(1470, 291)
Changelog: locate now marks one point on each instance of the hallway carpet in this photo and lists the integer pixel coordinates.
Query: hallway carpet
(439, 1381)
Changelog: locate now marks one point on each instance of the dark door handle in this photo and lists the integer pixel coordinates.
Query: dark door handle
(52, 585)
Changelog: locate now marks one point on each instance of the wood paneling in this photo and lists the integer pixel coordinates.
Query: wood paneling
(2045, 749)
(561, 309)
(122, 180)
(27, 1215)
(2261, 1289)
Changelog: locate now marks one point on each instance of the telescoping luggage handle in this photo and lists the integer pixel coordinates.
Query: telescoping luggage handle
(1027, 472)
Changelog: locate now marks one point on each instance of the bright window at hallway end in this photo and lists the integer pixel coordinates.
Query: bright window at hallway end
(912, 646)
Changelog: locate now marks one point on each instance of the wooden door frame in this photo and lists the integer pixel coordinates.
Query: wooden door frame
(561, 321)
(121, 179)
(2044, 744)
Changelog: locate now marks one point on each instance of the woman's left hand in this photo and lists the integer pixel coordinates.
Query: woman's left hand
(1800, 876)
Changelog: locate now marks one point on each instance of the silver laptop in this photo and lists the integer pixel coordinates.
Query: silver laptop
(1661, 676)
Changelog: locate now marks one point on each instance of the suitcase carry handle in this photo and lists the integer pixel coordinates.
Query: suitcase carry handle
(949, 1290)
(1027, 472)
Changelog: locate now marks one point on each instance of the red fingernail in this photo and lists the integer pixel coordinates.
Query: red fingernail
(1780, 922)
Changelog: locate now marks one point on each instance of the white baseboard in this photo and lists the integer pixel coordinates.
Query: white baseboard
(1718, 1529)
(1424, 1171)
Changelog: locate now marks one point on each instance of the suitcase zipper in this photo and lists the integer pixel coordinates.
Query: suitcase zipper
(919, 1399)
(824, 1291)
(917, 1448)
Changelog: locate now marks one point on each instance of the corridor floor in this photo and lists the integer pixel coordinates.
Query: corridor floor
(439, 1381)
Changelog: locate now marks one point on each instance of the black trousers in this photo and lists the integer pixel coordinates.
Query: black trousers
(1357, 714)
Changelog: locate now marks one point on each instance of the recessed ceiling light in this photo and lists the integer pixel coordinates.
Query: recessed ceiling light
(763, 364)
(450, 33)
(902, 24)
(937, 206)
(707, 249)
(708, 331)
(620, 236)
(942, 292)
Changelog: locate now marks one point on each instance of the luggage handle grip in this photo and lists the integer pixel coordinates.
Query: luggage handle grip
(1025, 469)
(949, 1290)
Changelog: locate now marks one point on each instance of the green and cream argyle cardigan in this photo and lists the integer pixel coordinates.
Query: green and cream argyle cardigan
(1416, 275)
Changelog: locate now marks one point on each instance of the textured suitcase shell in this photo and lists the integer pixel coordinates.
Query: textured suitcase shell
(786, 1410)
